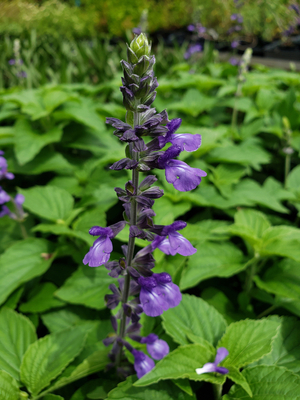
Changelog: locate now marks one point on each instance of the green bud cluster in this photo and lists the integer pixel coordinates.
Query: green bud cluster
(139, 83)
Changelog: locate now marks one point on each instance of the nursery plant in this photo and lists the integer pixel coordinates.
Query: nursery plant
(188, 290)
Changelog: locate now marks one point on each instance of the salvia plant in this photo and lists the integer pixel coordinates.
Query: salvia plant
(139, 290)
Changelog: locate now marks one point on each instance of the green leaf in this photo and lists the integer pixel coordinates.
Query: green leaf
(45, 359)
(90, 218)
(52, 397)
(267, 383)
(225, 175)
(86, 286)
(282, 279)
(286, 346)
(21, 262)
(16, 334)
(46, 160)
(48, 202)
(235, 375)
(28, 142)
(42, 299)
(248, 341)
(166, 211)
(250, 225)
(94, 389)
(9, 389)
(293, 180)
(161, 391)
(221, 303)
(205, 230)
(249, 152)
(211, 259)
(57, 229)
(59, 320)
(193, 316)
(182, 363)
(96, 362)
(193, 103)
(82, 111)
(282, 241)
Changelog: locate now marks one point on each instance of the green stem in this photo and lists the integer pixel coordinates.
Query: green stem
(217, 391)
(131, 245)
(251, 271)
(287, 168)
(267, 311)
(23, 230)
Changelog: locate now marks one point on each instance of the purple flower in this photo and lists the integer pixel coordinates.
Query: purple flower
(296, 8)
(191, 28)
(234, 44)
(158, 294)
(222, 353)
(185, 141)
(22, 74)
(178, 173)
(3, 169)
(4, 197)
(196, 48)
(142, 363)
(234, 61)
(170, 241)
(19, 215)
(99, 253)
(12, 61)
(137, 31)
(157, 348)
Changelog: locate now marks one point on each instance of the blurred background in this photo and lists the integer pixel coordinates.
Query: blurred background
(82, 40)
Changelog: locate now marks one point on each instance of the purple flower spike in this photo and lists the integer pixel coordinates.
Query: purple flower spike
(142, 363)
(4, 197)
(3, 169)
(234, 44)
(222, 353)
(157, 348)
(12, 61)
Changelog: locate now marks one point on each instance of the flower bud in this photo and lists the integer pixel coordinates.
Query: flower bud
(140, 46)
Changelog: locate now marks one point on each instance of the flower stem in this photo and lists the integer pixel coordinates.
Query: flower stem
(217, 391)
(23, 230)
(287, 168)
(267, 311)
(251, 271)
(131, 245)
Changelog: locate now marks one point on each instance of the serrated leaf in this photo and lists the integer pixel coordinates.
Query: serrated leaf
(282, 241)
(45, 359)
(42, 299)
(57, 229)
(239, 379)
(248, 341)
(46, 160)
(95, 362)
(162, 391)
(249, 152)
(90, 218)
(212, 259)
(166, 211)
(193, 103)
(282, 279)
(9, 389)
(28, 142)
(267, 383)
(286, 346)
(48, 202)
(52, 397)
(196, 317)
(16, 334)
(22, 262)
(86, 286)
(182, 363)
